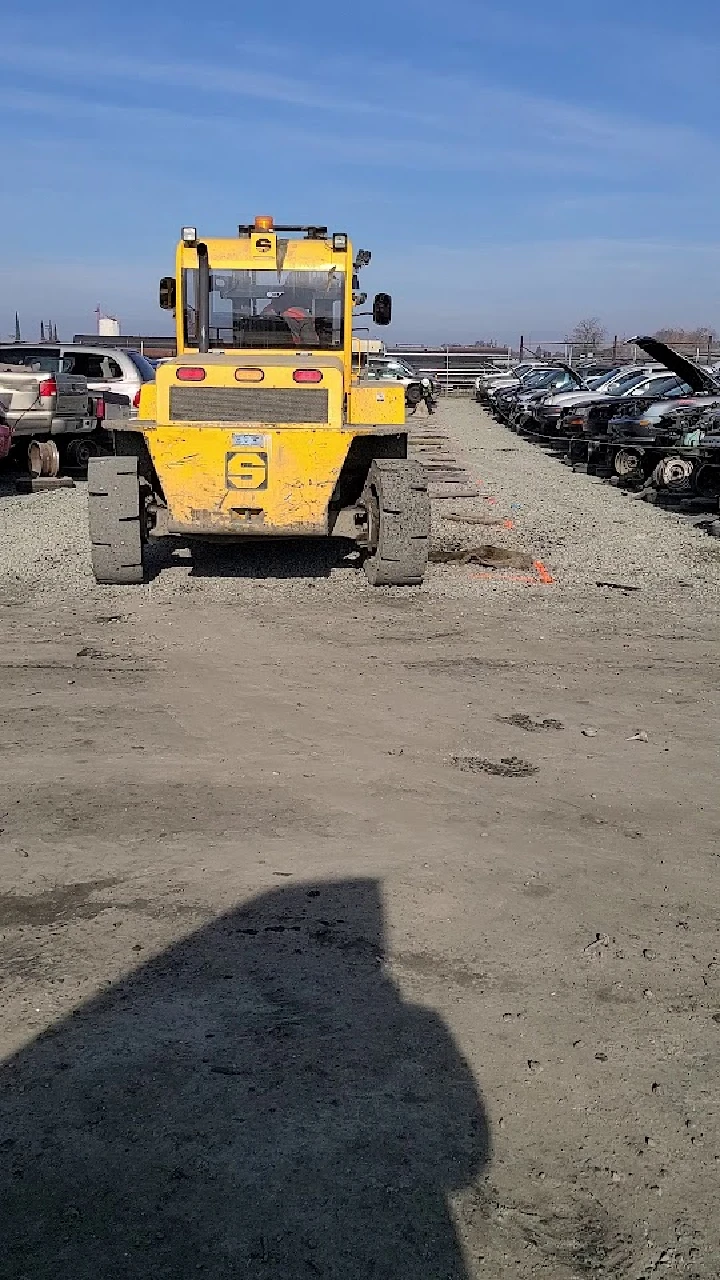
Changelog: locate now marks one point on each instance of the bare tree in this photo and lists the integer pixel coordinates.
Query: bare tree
(588, 333)
(703, 336)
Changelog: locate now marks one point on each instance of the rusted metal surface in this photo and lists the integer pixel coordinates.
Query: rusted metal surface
(43, 459)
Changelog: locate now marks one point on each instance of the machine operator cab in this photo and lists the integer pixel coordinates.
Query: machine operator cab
(265, 291)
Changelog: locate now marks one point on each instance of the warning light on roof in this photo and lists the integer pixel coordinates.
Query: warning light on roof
(263, 222)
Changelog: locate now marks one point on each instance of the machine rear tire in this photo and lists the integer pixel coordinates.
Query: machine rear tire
(114, 513)
(398, 508)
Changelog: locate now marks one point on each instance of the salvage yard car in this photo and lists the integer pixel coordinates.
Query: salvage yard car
(533, 386)
(37, 405)
(107, 369)
(417, 387)
(560, 414)
(496, 380)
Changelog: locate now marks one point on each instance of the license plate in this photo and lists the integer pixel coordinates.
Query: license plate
(248, 440)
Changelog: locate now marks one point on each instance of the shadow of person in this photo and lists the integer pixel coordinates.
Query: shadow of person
(257, 1101)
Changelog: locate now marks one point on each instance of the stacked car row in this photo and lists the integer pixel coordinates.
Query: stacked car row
(653, 427)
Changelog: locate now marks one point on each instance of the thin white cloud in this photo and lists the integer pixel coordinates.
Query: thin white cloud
(471, 122)
(539, 159)
(236, 80)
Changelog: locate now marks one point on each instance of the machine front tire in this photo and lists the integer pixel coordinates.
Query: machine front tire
(398, 513)
(115, 520)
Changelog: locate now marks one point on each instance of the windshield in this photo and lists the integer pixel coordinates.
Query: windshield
(389, 369)
(619, 386)
(657, 386)
(603, 379)
(36, 359)
(542, 378)
(270, 309)
(531, 379)
(683, 390)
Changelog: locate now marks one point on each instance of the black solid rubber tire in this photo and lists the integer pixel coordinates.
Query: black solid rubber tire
(396, 495)
(413, 394)
(116, 542)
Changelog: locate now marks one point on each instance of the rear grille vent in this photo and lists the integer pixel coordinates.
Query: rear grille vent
(247, 404)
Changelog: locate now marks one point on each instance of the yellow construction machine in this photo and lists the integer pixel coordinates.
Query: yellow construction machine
(260, 427)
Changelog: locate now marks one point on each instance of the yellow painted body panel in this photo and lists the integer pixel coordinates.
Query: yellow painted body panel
(376, 402)
(242, 478)
(277, 368)
(148, 402)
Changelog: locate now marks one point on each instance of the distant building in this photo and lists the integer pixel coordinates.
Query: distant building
(155, 348)
(108, 327)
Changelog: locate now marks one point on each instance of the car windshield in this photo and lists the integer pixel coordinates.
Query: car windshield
(36, 359)
(390, 369)
(603, 380)
(531, 379)
(619, 386)
(542, 378)
(656, 386)
(143, 366)
(269, 309)
(684, 389)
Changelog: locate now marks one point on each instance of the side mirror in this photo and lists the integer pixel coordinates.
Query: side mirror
(168, 293)
(382, 308)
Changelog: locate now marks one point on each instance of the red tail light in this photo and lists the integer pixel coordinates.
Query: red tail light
(307, 375)
(99, 408)
(136, 399)
(48, 387)
(188, 373)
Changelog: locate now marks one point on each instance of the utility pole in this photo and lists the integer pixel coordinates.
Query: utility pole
(18, 337)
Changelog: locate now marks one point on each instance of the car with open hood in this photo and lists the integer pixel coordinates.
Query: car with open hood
(643, 423)
(672, 377)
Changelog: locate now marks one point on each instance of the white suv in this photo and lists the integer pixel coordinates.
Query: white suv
(107, 369)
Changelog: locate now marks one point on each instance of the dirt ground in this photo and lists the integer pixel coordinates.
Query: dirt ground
(348, 933)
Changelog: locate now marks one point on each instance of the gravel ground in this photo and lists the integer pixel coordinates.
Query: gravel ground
(363, 932)
(581, 529)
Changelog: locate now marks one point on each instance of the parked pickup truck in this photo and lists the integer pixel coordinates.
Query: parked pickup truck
(37, 406)
(41, 404)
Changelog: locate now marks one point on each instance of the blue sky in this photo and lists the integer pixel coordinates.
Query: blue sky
(513, 167)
